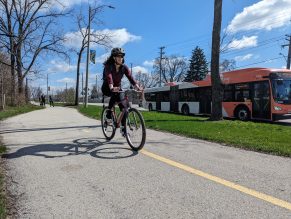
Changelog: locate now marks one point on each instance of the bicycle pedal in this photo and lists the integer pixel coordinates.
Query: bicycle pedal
(108, 121)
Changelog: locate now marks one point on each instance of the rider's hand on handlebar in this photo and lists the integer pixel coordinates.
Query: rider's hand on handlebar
(115, 89)
(136, 87)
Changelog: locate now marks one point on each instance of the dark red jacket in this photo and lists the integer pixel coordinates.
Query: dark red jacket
(114, 77)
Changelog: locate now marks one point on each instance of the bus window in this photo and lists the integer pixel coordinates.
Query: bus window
(228, 93)
(192, 94)
(150, 96)
(282, 91)
(242, 95)
(227, 96)
(183, 95)
(242, 92)
(239, 96)
(164, 96)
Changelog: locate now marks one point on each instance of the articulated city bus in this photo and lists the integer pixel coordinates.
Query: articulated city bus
(253, 93)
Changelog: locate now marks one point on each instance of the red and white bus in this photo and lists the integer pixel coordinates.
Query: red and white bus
(252, 93)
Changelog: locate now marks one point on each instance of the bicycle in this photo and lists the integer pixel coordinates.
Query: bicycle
(134, 130)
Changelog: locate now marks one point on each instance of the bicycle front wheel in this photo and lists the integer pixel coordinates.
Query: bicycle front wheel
(108, 125)
(135, 130)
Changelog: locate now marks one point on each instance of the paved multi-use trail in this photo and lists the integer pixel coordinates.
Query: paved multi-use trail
(60, 166)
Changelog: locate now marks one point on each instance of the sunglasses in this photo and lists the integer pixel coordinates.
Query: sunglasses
(120, 56)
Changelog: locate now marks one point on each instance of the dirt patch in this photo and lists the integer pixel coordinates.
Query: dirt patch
(7, 198)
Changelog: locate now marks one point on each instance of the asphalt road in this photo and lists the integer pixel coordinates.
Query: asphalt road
(60, 166)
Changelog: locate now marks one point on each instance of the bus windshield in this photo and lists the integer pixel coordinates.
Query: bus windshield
(282, 90)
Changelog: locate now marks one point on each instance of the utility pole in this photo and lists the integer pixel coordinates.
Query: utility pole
(96, 87)
(161, 58)
(26, 89)
(66, 92)
(87, 63)
(83, 89)
(2, 90)
(47, 86)
(289, 50)
(289, 53)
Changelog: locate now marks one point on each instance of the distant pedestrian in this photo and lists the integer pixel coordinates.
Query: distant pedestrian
(40, 101)
(43, 100)
(51, 101)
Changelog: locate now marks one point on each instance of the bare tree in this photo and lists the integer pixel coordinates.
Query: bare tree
(36, 93)
(174, 68)
(147, 80)
(7, 41)
(30, 30)
(5, 80)
(102, 39)
(227, 65)
(217, 89)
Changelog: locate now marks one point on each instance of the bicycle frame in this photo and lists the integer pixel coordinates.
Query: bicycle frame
(118, 117)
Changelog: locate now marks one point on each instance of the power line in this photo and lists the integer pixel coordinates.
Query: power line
(261, 44)
(267, 60)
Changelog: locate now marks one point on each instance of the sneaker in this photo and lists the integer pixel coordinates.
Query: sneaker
(108, 114)
(122, 131)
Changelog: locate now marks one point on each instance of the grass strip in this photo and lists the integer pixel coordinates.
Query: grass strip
(257, 136)
(13, 111)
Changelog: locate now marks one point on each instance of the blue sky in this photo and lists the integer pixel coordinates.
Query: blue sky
(255, 32)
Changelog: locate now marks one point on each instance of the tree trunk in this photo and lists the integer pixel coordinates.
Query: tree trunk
(19, 71)
(217, 89)
(78, 77)
(12, 70)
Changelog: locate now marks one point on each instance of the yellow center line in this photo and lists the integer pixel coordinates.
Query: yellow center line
(251, 192)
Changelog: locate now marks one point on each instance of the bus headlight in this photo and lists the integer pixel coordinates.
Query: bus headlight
(277, 108)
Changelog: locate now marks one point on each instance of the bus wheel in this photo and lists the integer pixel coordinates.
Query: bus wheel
(150, 107)
(242, 113)
(185, 109)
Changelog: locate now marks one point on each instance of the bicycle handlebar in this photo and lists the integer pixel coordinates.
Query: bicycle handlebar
(126, 90)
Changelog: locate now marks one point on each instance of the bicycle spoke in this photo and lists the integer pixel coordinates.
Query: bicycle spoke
(108, 127)
(135, 130)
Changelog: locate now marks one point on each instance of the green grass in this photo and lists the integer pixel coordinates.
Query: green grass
(256, 136)
(4, 114)
(13, 111)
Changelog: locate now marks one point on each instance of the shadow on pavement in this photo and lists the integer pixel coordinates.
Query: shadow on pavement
(82, 146)
(46, 129)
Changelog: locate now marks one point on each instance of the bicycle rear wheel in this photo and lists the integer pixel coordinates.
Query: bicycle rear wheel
(108, 126)
(135, 130)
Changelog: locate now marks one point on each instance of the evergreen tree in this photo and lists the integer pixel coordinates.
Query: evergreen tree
(94, 93)
(198, 68)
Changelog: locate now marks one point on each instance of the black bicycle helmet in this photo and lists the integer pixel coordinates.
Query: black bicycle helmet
(117, 51)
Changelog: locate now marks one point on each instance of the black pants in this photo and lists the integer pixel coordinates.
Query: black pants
(115, 98)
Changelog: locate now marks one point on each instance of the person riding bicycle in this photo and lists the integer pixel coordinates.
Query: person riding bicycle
(114, 69)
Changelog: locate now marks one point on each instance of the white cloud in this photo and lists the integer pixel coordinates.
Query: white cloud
(243, 43)
(266, 14)
(243, 58)
(119, 37)
(148, 63)
(64, 4)
(66, 80)
(140, 69)
(57, 66)
(73, 40)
